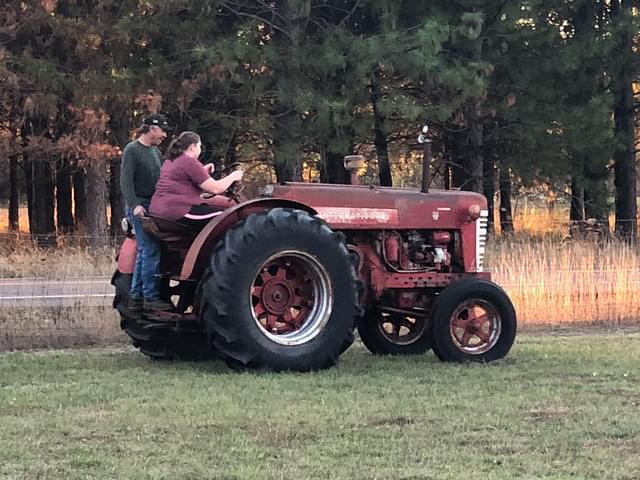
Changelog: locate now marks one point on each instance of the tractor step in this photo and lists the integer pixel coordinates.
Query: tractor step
(158, 316)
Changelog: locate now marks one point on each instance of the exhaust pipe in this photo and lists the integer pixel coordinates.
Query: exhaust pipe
(426, 159)
(353, 163)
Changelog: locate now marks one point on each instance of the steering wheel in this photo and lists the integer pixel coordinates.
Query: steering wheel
(234, 192)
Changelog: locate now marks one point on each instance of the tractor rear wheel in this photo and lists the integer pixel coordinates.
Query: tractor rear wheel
(473, 320)
(158, 344)
(394, 333)
(281, 293)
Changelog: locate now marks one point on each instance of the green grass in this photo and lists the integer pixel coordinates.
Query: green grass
(560, 406)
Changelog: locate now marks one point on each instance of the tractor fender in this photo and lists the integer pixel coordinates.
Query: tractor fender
(200, 250)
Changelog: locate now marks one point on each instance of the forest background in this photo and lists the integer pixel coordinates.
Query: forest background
(519, 95)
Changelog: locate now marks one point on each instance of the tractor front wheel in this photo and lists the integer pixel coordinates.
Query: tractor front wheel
(281, 293)
(473, 320)
(394, 333)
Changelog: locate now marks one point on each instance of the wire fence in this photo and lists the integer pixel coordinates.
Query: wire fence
(38, 312)
(53, 240)
(62, 296)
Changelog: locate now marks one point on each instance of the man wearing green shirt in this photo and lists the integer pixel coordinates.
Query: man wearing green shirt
(138, 177)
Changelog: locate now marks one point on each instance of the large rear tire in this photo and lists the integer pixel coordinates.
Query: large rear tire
(473, 320)
(158, 344)
(281, 293)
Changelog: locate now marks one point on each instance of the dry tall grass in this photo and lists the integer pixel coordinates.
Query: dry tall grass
(552, 282)
(29, 261)
(58, 327)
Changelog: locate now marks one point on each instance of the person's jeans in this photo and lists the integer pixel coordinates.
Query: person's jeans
(144, 283)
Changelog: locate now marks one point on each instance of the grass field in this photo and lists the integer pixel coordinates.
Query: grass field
(562, 405)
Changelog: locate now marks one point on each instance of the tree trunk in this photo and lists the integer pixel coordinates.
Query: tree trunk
(64, 198)
(489, 188)
(380, 130)
(456, 143)
(624, 156)
(595, 192)
(594, 163)
(14, 196)
(293, 16)
(506, 216)
(40, 187)
(97, 208)
(42, 193)
(332, 169)
(288, 170)
(232, 149)
(116, 200)
(120, 125)
(625, 167)
(80, 198)
(576, 212)
(475, 124)
(475, 152)
(27, 164)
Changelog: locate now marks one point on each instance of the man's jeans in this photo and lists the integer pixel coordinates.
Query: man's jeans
(144, 283)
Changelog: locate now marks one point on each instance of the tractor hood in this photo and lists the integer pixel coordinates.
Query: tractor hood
(367, 207)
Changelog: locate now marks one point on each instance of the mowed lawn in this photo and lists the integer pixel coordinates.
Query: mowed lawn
(562, 405)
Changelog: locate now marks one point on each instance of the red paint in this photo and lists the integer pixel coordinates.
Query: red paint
(441, 238)
(468, 325)
(392, 248)
(401, 209)
(405, 208)
(127, 255)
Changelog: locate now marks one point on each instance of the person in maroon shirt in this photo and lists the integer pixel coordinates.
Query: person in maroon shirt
(183, 179)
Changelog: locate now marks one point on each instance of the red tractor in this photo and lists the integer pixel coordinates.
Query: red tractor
(282, 281)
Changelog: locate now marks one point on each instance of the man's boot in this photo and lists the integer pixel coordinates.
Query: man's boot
(158, 305)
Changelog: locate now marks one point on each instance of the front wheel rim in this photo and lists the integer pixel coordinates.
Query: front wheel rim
(291, 298)
(399, 329)
(475, 327)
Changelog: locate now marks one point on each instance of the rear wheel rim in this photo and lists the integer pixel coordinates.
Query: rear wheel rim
(475, 327)
(291, 298)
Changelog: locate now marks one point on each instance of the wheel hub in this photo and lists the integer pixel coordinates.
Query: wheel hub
(288, 297)
(276, 297)
(475, 327)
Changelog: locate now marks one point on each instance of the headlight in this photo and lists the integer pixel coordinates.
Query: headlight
(474, 212)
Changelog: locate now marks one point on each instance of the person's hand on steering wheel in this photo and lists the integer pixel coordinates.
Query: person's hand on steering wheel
(232, 176)
(236, 176)
(236, 187)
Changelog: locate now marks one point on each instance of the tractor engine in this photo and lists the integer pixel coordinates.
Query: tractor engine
(415, 250)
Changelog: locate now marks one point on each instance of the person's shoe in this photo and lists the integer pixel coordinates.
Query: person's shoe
(134, 305)
(159, 305)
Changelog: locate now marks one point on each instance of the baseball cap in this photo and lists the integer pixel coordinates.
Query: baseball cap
(157, 120)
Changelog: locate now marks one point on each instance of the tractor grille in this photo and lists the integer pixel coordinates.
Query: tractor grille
(481, 239)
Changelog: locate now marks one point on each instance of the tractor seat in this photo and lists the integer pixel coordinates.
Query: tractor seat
(168, 231)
